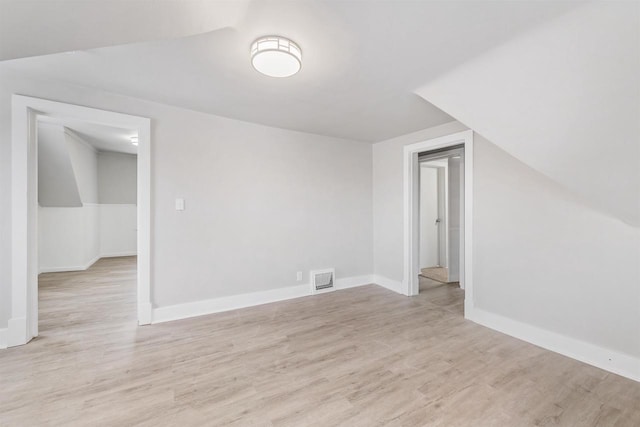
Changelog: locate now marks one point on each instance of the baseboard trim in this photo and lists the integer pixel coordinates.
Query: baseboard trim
(234, 302)
(118, 254)
(218, 305)
(16, 332)
(600, 357)
(72, 268)
(3, 338)
(145, 313)
(86, 266)
(353, 282)
(390, 284)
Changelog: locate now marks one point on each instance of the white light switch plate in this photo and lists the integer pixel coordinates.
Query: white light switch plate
(179, 204)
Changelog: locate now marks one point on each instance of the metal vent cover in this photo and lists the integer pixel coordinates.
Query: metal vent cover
(322, 280)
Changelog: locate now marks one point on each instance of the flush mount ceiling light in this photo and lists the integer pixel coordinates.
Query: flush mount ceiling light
(276, 56)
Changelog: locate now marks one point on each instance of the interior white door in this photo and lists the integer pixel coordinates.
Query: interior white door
(429, 218)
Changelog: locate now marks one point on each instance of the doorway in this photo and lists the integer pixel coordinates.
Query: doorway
(87, 220)
(448, 163)
(441, 195)
(26, 113)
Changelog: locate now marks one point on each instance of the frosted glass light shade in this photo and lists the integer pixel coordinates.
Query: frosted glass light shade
(276, 56)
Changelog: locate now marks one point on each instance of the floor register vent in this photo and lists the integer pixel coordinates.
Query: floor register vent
(323, 281)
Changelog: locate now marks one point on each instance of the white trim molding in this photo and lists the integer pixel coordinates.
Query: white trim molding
(390, 284)
(600, 357)
(353, 282)
(25, 111)
(3, 338)
(70, 268)
(410, 283)
(234, 302)
(118, 254)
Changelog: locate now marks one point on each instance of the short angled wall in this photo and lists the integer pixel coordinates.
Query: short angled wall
(68, 238)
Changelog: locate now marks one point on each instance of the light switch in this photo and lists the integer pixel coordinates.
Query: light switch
(179, 204)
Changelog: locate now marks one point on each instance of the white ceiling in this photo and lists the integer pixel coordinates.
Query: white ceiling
(102, 138)
(362, 62)
(40, 27)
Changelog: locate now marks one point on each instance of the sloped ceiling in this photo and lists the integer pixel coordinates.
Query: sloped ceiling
(100, 137)
(565, 99)
(57, 183)
(41, 27)
(362, 62)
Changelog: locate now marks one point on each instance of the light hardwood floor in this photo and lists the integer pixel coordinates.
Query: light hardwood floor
(358, 357)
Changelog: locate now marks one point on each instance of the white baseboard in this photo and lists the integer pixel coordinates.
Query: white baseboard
(352, 282)
(390, 284)
(119, 254)
(3, 338)
(600, 357)
(233, 302)
(72, 268)
(145, 313)
(217, 305)
(16, 332)
(86, 266)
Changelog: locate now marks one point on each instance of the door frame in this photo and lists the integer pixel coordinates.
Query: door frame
(25, 110)
(410, 282)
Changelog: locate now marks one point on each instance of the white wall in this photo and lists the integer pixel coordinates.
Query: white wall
(68, 238)
(261, 203)
(117, 229)
(429, 236)
(117, 178)
(545, 258)
(117, 192)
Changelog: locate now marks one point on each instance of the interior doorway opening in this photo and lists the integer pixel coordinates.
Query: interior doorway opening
(87, 226)
(26, 112)
(441, 217)
(411, 169)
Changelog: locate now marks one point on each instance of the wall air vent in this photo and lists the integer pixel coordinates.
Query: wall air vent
(322, 281)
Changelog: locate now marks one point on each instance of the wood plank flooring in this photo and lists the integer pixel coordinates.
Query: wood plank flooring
(359, 357)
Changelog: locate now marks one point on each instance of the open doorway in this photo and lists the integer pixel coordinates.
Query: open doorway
(457, 231)
(441, 198)
(87, 225)
(27, 113)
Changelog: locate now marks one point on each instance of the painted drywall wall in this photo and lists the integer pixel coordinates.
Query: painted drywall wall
(563, 98)
(118, 228)
(68, 238)
(84, 159)
(429, 236)
(298, 201)
(57, 184)
(117, 178)
(544, 257)
(453, 217)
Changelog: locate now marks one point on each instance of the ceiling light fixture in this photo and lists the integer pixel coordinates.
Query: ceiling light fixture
(276, 56)
(134, 139)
